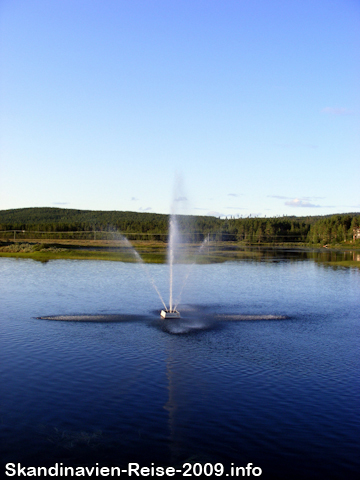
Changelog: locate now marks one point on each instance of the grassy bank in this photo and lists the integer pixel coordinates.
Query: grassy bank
(156, 252)
(342, 263)
(46, 252)
(150, 252)
(81, 255)
(154, 257)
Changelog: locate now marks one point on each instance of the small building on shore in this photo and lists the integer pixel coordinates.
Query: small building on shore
(356, 234)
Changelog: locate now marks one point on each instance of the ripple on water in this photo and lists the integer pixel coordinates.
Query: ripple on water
(264, 369)
(94, 318)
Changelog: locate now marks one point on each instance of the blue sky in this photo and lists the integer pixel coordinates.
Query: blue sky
(231, 107)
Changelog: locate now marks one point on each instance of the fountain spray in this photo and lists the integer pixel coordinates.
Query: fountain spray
(173, 238)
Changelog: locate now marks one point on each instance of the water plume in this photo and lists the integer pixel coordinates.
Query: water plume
(141, 262)
(173, 243)
(199, 252)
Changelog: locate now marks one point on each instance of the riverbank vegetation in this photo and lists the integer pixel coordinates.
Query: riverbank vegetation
(156, 252)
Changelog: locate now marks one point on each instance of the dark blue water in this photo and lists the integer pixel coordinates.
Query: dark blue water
(262, 368)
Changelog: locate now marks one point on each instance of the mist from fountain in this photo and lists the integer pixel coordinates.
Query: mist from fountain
(175, 255)
(199, 252)
(141, 262)
(172, 245)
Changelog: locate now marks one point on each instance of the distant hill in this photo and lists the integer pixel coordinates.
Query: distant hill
(46, 215)
(63, 219)
(309, 229)
(50, 215)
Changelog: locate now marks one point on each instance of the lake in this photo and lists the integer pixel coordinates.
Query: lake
(262, 368)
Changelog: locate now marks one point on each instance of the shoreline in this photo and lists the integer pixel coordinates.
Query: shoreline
(156, 252)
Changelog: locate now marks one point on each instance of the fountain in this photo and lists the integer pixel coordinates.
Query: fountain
(166, 312)
(171, 312)
(174, 236)
(174, 241)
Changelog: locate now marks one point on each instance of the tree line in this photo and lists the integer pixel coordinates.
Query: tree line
(313, 230)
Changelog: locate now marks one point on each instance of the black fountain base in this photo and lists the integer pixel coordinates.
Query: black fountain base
(169, 314)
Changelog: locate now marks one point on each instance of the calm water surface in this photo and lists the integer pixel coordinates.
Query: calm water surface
(263, 368)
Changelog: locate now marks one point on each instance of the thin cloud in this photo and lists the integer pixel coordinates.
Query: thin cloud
(61, 203)
(307, 199)
(147, 209)
(312, 198)
(181, 199)
(133, 199)
(296, 202)
(336, 111)
(301, 202)
(279, 197)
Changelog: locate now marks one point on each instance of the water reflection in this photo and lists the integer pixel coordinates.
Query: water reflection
(221, 253)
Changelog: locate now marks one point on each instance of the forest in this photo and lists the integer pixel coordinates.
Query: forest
(329, 229)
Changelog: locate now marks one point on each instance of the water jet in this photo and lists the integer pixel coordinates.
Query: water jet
(171, 312)
(174, 254)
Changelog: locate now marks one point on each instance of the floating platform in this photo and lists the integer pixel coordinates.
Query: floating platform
(168, 314)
